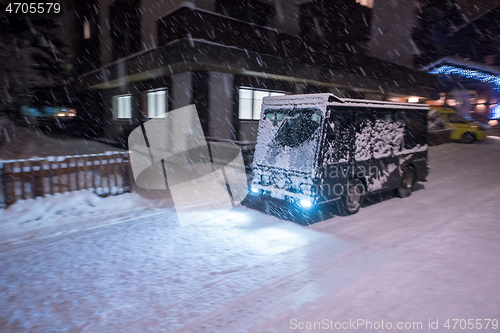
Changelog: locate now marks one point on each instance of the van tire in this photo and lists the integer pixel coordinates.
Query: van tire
(350, 202)
(407, 183)
(468, 138)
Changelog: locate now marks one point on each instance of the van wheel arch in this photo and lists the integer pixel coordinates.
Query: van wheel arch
(408, 180)
(346, 206)
(365, 183)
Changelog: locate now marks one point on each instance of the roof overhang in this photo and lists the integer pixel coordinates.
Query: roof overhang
(457, 62)
(184, 56)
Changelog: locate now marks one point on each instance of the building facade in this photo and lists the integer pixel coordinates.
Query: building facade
(134, 60)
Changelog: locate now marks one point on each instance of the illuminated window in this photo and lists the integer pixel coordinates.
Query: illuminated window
(86, 29)
(250, 102)
(157, 103)
(122, 107)
(367, 3)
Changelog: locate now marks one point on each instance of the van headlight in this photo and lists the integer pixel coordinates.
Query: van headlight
(254, 190)
(306, 203)
(306, 189)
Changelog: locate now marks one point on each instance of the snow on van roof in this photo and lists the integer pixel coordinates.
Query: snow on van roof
(363, 102)
(309, 99)
(330, 99)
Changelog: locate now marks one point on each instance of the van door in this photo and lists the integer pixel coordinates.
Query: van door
(336, 152)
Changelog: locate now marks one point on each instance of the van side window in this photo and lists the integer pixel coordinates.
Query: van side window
(400, 120)
(364, 134)
(330, 130)
(338, 137)
(416, 130)
(400, 117)
(343, 118)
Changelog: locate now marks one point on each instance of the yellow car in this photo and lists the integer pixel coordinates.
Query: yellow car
(461, 128)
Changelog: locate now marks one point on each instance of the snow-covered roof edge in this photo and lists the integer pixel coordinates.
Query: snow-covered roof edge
(302, 99)
(330, 99)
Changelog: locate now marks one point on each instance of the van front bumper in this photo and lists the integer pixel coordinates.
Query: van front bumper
(280, 194)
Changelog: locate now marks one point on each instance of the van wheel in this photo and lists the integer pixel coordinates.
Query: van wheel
(351, 201)
(468, 138)
(407, 183)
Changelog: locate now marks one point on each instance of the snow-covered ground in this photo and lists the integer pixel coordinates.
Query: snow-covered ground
(28, 143)
(61, 214)
(432, 256)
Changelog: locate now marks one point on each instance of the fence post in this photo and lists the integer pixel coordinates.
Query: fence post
(61, 174)
(2, 185)
(9, 183)
(106, 173)
(51, 176)
(127, 181)
(21, 176)
(75, 170)
(93, 168)
(85, 172)
(46, 174)
(38, 178)
(100, 170)
(116, 170)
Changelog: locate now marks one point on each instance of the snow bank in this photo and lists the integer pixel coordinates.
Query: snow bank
(63, 205)
(62, 213)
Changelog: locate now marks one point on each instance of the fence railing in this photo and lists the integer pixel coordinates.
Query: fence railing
(107, 173)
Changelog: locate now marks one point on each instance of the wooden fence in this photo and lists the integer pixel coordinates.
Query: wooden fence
(105, 174)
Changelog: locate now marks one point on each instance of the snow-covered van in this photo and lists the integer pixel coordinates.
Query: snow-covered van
(318, 148)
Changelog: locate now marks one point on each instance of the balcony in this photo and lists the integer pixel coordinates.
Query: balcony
(210, 39)
(196, 24)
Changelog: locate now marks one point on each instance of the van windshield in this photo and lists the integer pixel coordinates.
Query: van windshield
(288, 138)
(294, 127)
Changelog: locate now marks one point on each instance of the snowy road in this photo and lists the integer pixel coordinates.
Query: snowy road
(433, 256)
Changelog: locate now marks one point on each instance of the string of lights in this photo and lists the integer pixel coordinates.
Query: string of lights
(468, 73)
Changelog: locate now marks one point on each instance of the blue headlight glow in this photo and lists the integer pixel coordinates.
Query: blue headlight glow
(305, 203)
(254, 190)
